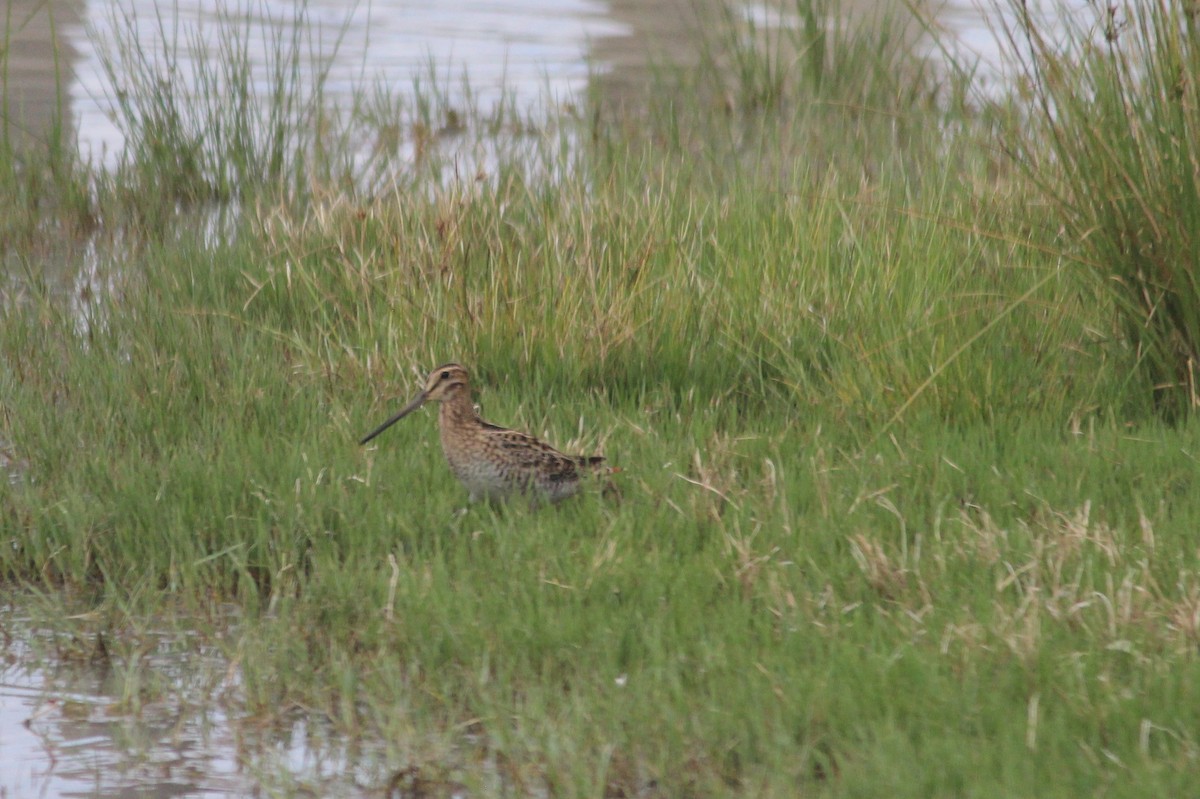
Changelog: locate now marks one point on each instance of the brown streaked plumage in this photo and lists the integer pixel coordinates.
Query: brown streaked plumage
(493, 462)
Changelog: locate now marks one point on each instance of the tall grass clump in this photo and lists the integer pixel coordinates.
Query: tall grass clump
(815, 51)
(840, 222)
(1111, 137)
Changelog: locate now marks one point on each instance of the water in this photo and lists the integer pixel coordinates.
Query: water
(977, 35)
(165, 723)
(65, 729)
(524, 52)
(539, 56)
(531, 53)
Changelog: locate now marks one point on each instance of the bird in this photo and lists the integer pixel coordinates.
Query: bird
(494, 463)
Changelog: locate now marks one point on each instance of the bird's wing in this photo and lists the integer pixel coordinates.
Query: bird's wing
(526, 452)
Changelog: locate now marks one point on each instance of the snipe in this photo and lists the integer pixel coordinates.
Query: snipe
(493, 462)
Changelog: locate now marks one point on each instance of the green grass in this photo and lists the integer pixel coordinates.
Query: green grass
(895, 516)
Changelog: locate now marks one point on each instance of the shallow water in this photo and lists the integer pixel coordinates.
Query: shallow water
(526, 52)
(977, 35)
(166, 724)
(65, 729)
(529, 52)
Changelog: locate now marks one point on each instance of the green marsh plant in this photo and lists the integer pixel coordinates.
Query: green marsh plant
(806, 51)
(1111, 137)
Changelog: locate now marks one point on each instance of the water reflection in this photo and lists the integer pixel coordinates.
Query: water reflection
(67, 729)
(162, 724)
(37, 49)
(466, 55)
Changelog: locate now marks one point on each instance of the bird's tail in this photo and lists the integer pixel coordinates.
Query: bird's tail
(597, 465)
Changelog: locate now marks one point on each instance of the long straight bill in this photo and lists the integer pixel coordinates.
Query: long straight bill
(405, 411)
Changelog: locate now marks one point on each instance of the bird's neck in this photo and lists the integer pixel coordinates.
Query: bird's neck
(457, 408)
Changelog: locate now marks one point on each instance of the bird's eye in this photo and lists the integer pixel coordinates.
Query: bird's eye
(445, 375)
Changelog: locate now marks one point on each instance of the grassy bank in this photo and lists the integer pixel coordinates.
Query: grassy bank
(897, 511)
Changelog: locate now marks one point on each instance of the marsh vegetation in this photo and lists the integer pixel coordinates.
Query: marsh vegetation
(900, 380)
